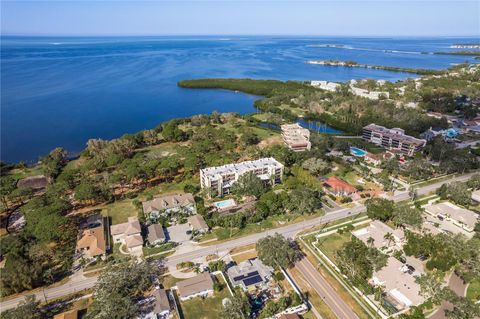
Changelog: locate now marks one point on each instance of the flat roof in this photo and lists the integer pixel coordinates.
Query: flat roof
(377, 230)
(396, 133)
(241, 167)
(465, 216)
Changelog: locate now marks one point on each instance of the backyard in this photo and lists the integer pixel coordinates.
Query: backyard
(206, 308)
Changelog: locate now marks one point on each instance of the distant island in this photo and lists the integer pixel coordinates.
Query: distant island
(354, 64)
(326, 45)
(467, 53)
(466, 46)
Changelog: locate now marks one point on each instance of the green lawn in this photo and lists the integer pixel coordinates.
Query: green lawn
(147, 251)
(120, 210)
(473, 291)
(206, 308)
(332, 243)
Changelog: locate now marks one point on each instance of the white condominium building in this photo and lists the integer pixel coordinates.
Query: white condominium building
(296, 137)
(394, 138)
(220, 179)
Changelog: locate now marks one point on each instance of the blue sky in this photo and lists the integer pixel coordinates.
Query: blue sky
(350, 18)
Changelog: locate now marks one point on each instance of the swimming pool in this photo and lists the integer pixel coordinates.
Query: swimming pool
(225, 203)
(357, 152)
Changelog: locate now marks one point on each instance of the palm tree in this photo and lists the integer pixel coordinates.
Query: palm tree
(389, 237)
(370, 241)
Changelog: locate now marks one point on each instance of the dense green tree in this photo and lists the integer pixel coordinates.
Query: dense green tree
(27, 309)
(237, 307)
(463, 308)
(249, 184)
(380, 208)
(316, 166)
(7, 186)
(54, 162)
(457, 192)
(276, 251)
(303, 200)
(406, 215)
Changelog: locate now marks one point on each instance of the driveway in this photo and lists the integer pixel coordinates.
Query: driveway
(178, 233)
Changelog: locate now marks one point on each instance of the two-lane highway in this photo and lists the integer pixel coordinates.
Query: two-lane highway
(288, 231)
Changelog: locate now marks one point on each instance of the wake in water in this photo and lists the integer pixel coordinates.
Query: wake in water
(349, 47)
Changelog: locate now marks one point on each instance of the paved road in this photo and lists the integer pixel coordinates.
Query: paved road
(288, 231)
(324, 290)
(458, 287)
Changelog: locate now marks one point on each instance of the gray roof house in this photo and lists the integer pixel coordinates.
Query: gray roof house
(200, 285)
(197, 223)
(250, 274)
(162, 305)
(156, 235)
(183, 203)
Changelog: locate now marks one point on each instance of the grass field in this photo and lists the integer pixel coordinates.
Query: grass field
(473, 291)
(206, 308)
(332, 243)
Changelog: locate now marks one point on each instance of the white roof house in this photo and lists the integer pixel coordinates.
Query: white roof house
(398, 282)
(459, 216)
(377, 231)
(250, 273)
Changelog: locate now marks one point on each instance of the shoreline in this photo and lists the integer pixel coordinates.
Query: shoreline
(354, 64)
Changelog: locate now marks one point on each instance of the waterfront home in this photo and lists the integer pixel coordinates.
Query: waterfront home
(398, 283)
(460, 217)
(392, 139)
(324, 85)
(219, 180)
(380, 236)
(296, 137)
(339, 187)
(197, 223)
(198, 286)
(250, 274)
(169, 204)
(156, 235)
(129, 235)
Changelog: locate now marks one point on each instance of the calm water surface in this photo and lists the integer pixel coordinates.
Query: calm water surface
(62, 91)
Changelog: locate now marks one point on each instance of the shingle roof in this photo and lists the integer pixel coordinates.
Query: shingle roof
(131, 227)
(134, 241)
(197, 222)
(465, 216)
(161, 301)
(155, 232)
(195, 285)
(167, 202)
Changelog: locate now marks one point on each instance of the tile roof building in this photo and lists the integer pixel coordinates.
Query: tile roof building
(339, 187)
(71, 314)
(218, 180)
(296, 137)
(200, 285)
(129, 234)
(197, 223)
(164, 205)
(94, 239)
(394, 138)
(460, 217)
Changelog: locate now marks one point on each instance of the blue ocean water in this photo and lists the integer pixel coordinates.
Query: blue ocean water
(58, 91)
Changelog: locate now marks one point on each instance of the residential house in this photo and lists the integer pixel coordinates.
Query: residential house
(461, 217)
(378, 231)
(129, 234)
(394, 138)
(373, 159)
(250, 274)
(398, 282)
(168, 204)
(339, 187)
(198, 286)
(197, 223)
(162, 304)
(156, 235)
(219, 180)
(71, 314)
(296, 137)
(94, 240)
